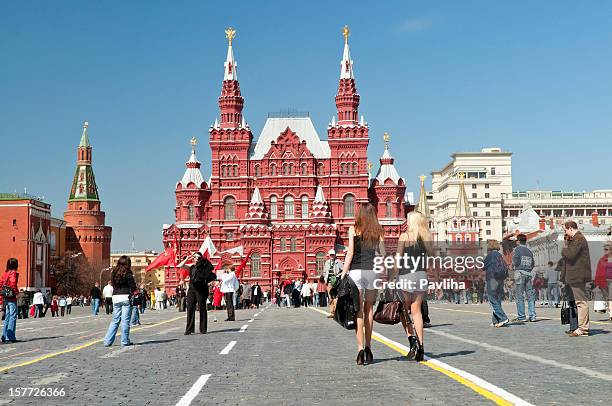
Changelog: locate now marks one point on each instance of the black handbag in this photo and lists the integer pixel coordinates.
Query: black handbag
(8, 292)
(565, 314)
(389, 308)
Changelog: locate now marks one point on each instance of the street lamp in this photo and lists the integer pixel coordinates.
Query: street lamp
(102, 271)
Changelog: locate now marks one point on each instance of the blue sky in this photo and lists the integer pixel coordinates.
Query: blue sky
(532, 77)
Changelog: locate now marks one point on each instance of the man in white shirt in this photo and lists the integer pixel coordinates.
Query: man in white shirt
(305, 291)
(159, 299)
(39, 302)
(107, 294)
(229, 284)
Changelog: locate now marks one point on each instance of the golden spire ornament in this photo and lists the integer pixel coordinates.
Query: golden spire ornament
(370, 166)
(194, 142)
(461, 176)
(422, 177)
(386, 137)
(230, 34)
(346, 32)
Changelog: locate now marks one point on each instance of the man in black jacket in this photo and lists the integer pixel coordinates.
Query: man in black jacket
(200, 275)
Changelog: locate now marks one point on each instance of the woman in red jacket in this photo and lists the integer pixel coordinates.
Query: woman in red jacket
(217, 296)
(603, 276)
(8, 295)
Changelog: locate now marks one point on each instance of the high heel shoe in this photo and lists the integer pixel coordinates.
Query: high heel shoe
(413, 346)
(369, 357)
(360, 357)
(420, 352)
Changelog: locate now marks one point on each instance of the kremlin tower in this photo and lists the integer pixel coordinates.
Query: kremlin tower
(85, 229)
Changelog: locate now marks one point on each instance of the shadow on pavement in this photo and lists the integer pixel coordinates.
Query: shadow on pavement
(156, 341)
(596, 332)
(40, 338)
(450, 354)
(440, 325)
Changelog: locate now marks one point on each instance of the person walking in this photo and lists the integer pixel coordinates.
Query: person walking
(62, 305)
(333, 268)
(246, 295)
(414, 243)
(287, 291)
(575, 275)
(321, 292)
(524, 274)
(69, 301)
(496, 271)
(54, 306)
(137, 302)
(124, 286)
(306, 292)
(217, 296)
(159, 299)
(229, 284)
(552, 277)
(22, 304)
(256, 294)
(96, 295)
(107, 294)
(38, 302)
(603, 276)
(8, 300)
(365, 237)
(199, 276)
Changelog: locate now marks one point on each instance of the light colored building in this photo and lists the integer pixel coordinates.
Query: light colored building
(57, 239)
(559, 205)
(140, 261)
(487, 176)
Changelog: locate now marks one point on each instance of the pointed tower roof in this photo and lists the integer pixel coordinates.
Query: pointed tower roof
(320, 209)
(387, 168)
(84, 137)
(257, 212)
(230, 73)
(84, 183)
(346, 65)
(462, 209)
(192, 173)
(423, 206)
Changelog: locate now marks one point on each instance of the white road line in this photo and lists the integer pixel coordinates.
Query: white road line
(193, 391)
(466, 375)
(585, 371)
(256, 314)
(76, 333)
(250, 321)
(70, 322)
(228, 348)
(113, 354)
(49, 379)
(243, 328)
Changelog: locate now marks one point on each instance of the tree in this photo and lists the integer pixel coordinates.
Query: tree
(68, 274)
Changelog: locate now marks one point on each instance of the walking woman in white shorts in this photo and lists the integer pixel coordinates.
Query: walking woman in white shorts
(415, 243)
(366, 237)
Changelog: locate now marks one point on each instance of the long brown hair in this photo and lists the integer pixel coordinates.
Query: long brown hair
(367, 225)
(124, 265)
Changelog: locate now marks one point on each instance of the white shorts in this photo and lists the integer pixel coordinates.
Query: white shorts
(363, 278)
(414, 282)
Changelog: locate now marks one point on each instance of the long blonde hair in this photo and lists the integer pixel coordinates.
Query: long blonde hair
(418, 226)
(367, 225)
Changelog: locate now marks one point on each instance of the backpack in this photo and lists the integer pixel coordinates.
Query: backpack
(500, 268)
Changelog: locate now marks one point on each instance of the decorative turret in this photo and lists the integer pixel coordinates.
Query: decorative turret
(84, 184)
(192, 192)
(423, 206)
(320, 208)
(462, 209)
(464, 227)
(192, 173)
(257, 211)
(387, 168)
(347, 98)
(231, 101)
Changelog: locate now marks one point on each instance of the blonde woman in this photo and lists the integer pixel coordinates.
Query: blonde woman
(414, 243)
(366, 237)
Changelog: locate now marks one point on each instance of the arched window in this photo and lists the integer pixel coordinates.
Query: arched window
(283, 244)
(229, 208)
(342, 168)
(289, 208)
(304, 207)
(320, 169)
(320, 262)
(223, 171)
(291, 172)
(354, 168)
(349, 206)
(293, 247)
(273, 170)
(389, 205)
(285, 169)
(235, 170)
(304, 169)
(190, 212)
(255, 265)
(257, 171)
(273, 207)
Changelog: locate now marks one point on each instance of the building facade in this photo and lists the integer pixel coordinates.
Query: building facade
(487, 177)
(85, 228)
(140, 260)
(288, 195)
(25, 225)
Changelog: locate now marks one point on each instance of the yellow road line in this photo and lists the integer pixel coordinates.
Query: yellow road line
(79, 347)
(462, 380)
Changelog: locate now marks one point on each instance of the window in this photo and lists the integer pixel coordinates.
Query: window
(285, 169)
(486, 185)
(229, 236)
(492, 171)
(257, 171)
(487, 195)
(304, 207)
(349, 206)
(487, 204)
(488, 232)
(190, 212)
(474, 204)
(255, 265)
(229, 208)
(272, 170)
(389, 207)
(342, 168)
(304, 169)
(273, 207)
(473, 186)
(475, 213)
(474, 195)
(488, 222)
(283, 244)
(289, 208)
(14, 222)
(320, 262)
(293, 247)
(223, 171)
(488, 214)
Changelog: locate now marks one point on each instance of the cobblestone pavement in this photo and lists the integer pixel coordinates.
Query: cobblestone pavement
(298, 356)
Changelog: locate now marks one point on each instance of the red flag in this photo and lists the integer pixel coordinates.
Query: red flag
(243, 264)
(165, 258)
